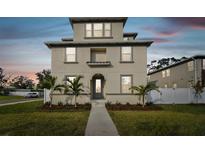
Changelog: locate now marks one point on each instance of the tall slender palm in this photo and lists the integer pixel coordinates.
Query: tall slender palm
(50, 83)
(74, 87)
(142, 90)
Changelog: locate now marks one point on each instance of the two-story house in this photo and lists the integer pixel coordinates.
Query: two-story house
(109, 60)
(182, 74)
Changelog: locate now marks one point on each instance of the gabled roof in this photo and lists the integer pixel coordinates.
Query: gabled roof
(99, 44)
(134, 35)
(97, 19)
(178, 63)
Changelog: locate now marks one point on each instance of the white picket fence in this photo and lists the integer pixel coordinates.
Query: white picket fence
(166, 96)
(175, 96)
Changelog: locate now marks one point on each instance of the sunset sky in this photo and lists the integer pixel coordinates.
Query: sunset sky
(22, 49)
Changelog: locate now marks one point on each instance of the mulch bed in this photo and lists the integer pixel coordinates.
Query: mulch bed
(128, 107)
(66, 107)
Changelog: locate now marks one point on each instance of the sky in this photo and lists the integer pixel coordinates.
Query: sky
(23, 52)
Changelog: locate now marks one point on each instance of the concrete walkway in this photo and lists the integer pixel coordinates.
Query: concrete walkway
(19, 102)
(99, 122)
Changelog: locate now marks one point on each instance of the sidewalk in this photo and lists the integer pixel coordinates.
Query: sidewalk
(99, 122)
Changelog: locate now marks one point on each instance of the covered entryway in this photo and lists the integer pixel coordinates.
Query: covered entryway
(97, 86)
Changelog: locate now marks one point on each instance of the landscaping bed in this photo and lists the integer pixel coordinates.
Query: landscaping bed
(66, 107)
(118, 106)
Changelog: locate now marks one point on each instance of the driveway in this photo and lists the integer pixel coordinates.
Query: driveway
(99, 122)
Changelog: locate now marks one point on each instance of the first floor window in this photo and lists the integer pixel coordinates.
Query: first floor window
(174, 85)
(71, 78)
(126, 83)
(126, 53)
(70, 54)
(190, 66)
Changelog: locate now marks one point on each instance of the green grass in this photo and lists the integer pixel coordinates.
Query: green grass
(173, 120)
(2, 98)
(28, 119)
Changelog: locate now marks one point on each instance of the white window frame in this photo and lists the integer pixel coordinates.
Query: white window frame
(163, 74)
(131, 54)
(190, 66)
(90, 30)
(67, 54)
(70, 76)
(121, 82)
(168, 72)
(203, 64)
(174, 85)
(105, 29)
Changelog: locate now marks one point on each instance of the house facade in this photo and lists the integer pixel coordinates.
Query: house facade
(182, 74)
(109, 60)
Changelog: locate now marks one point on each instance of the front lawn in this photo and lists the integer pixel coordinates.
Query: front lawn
(171, 120)
(29, 119)
(2, 98)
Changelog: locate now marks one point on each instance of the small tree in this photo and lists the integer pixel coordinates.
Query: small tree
(74, 87)
(4, 80)
(50, 83)
(198, 90)
(22, 82)
(142, 91)
(41, 76)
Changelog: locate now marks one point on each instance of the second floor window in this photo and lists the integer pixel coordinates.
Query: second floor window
(204, 64)
(126, 54)
(168, 72)
(88, 28)
(163, 74)
(190, 66)
(98, 30)
(71, 55)
(107, 29)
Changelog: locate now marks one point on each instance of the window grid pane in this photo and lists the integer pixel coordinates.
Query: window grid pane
(71, 78)
(126, 84)
(70, 54)
(126, 54)
(88, 28)
(204, 64)
(98, 30)
(190, 66)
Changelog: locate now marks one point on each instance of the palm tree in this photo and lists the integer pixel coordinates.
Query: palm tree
(143, 91)
(50, 83)
(74, 87)
(198, 90)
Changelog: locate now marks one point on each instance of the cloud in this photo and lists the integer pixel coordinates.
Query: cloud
(32, 29)
(163, 31)
(191, 22)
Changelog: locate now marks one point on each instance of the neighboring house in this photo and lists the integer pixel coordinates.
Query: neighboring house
(109, 60)
(182, 74)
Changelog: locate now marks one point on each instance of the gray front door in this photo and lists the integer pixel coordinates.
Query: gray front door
(97, 89)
